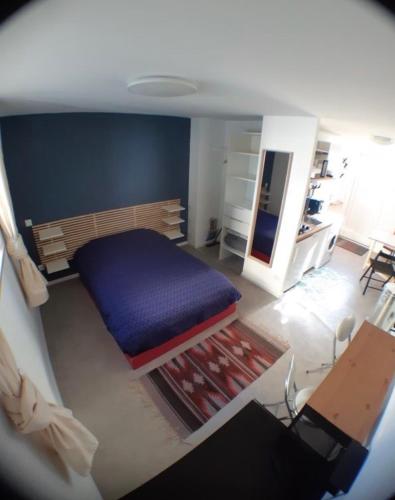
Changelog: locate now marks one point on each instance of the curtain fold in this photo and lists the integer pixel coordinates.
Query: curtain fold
(29, 412)
(32, 281)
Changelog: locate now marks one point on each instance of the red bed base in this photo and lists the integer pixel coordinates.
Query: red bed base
(147, 356)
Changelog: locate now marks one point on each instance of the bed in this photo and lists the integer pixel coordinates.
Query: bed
(151, 294)
(265, 232)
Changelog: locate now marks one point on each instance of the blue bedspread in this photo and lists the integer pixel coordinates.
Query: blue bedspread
(265, 232)
(148, 290)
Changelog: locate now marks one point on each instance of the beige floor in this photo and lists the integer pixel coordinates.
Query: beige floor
(136, 442)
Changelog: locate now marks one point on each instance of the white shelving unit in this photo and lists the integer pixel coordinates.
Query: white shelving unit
(235, 251)
(241, 175)
(173, 221)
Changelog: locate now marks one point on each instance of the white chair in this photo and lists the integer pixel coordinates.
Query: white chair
(343, 331)
(294, 398)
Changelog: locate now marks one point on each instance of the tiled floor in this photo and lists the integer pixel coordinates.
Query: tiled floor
(136, 442)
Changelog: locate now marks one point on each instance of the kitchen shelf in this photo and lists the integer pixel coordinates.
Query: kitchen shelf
(54, 248)
(173, 234)
(171, 221)
(173, 208)
(49, 233)
(57, 265)
(252, 132)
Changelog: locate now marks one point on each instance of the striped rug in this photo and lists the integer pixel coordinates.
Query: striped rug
(196, 384)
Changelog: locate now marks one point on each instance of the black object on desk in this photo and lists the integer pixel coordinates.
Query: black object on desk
(252, 457)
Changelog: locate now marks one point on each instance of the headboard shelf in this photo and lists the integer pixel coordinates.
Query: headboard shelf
(176, 207)
(54, 248)
(50, 233)
(77, 231)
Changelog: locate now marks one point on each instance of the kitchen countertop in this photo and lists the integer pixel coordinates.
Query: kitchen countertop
(314, 228)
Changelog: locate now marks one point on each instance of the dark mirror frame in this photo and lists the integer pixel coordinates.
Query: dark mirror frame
(256, 205)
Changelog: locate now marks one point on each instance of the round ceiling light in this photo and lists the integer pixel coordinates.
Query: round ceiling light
(162, 86)
(383, 141)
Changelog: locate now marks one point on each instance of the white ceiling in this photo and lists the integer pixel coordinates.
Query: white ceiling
(332, 59)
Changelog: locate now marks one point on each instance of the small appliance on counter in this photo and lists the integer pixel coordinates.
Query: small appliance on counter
(303, 229)
(313, 206)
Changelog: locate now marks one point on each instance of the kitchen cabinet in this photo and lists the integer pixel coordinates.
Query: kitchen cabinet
(310, 252)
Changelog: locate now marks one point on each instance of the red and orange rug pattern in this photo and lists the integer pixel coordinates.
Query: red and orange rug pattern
(197, 383)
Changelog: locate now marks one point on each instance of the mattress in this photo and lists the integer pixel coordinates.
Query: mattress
(148, 290)
(265, 232)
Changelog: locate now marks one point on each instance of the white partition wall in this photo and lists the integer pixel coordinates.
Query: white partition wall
(295, 135)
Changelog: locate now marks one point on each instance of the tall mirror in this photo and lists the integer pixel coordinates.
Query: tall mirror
(269, 204)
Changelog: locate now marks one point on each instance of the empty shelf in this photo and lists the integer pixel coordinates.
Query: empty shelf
(57, 265)
(234, 251)
(54, 248)
(50, 232)
(243, 178)
(173, 208)
(173, 234)
(246, 153)
(173, 220)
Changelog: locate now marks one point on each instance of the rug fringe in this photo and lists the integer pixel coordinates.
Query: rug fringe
(143, 399)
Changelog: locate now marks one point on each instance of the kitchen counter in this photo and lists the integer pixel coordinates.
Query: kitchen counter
(314, 228)
(314, 247)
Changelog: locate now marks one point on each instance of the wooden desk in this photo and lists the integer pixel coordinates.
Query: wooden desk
(384, 238)
(351, 397)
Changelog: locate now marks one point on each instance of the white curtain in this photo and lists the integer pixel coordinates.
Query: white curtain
(29, 412)
(33, 282)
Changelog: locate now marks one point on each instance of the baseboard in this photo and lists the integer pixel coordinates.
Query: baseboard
(183, 243)
(65, 278)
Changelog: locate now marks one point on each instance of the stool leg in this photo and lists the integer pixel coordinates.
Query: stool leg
(334, 350)
(368, 281)
(365, 273)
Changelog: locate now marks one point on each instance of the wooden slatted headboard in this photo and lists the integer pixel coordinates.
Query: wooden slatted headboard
(79, 230)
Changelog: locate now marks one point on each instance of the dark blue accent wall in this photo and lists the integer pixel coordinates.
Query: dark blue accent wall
(63, 165)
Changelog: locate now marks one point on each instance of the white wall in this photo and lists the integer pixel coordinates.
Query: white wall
(207, 154)
(370, 203)
(297, 135)
(377, 477)
(36, 473)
